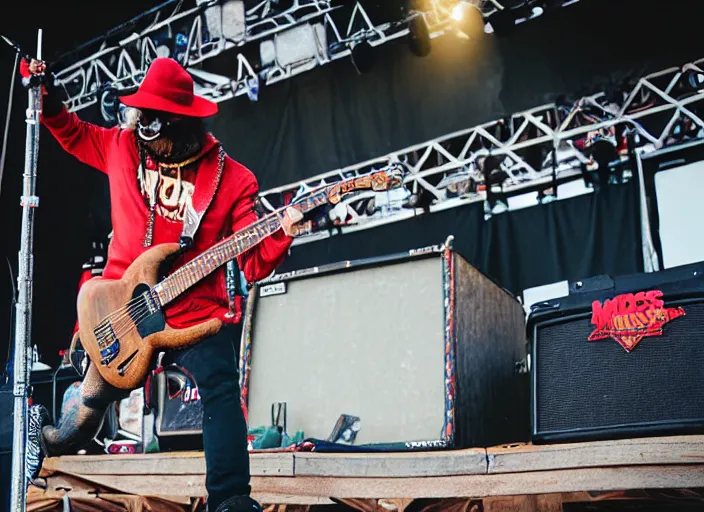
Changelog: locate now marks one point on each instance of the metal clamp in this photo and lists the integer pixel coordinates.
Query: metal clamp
(31, 201)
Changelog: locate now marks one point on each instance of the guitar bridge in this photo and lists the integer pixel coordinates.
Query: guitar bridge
(108, 343)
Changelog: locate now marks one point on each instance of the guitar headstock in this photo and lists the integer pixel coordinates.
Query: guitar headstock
(378, 181)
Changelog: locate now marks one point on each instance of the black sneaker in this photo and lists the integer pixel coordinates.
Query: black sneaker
(239, 504)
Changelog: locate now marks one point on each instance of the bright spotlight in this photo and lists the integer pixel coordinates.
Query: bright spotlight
(467, 20)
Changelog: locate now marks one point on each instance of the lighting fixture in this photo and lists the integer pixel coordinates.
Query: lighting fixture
(467, 20)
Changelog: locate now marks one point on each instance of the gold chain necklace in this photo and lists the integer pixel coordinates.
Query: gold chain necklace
(180, 165)
(149, 235)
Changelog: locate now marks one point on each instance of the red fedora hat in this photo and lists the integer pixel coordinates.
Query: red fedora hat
(169, 88)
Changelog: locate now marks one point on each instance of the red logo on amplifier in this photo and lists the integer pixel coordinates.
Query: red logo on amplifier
(630, 317)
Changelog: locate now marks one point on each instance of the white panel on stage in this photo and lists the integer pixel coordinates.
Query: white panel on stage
(368, 343)
(680, 204)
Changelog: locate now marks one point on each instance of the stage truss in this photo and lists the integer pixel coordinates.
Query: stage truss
(217, 26)
(122, 65)
(658, 110)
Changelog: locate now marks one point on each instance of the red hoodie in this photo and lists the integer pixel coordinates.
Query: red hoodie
(114, 152)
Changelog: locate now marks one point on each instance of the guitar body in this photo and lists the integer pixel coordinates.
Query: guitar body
(121, 324)
(121, 327)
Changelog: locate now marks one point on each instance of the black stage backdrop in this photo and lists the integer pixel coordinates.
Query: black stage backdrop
(331, 117)
(570, 239)
(74, 204)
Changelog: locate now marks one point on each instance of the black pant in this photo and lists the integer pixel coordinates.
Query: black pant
(213, 363)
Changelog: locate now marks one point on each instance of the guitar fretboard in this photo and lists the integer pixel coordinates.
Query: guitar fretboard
(215, 257)
(226, 250)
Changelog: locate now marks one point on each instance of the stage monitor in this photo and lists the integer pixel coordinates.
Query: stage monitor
(679, 192)
(674, 184)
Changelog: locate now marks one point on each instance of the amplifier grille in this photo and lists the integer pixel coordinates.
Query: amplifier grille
(367, 343)
(591, 385)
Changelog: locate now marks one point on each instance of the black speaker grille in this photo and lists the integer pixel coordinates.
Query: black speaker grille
(595, 385)
(6, 418)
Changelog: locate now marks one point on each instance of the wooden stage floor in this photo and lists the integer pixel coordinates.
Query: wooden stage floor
(566, 470)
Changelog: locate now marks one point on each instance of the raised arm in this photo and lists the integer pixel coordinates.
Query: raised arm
(89, 143)
(262, 260)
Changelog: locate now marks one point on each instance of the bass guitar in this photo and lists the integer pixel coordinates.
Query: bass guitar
(121, 323)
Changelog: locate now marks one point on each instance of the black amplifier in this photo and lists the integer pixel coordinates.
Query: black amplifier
(620, 357)
(6, 424)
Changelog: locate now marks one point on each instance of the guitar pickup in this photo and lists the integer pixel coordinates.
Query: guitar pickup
(122, 367)
(109, 353)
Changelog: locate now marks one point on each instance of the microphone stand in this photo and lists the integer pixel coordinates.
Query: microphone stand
(25, 278)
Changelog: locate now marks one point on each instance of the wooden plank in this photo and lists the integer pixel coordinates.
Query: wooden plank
(261, 464)
(141, 485)
(391, 465)
(478, 486)
(656, 450)
(176, 488)
(532, 503)
(290, 499)
(303, 489)
(510, 504)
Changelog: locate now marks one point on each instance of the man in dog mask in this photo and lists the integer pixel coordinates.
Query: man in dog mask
(155, 169)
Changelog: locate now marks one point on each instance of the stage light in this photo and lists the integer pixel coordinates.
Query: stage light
(459, 185)
(467, 20)
(505, 20)
(282, 5)
(362, 56)
(598, 172)
(418, 197)
(224, 20)
(365, 207)
(689, 84)
(494, 178)
(111, 109)
(419, 36)
(252, 85)
(604, 154)
(109, 105)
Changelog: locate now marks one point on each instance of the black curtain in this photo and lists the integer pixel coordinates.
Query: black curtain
(332, 117)
(570, 239)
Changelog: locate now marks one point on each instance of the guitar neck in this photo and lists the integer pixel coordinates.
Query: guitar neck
(228, 249)
(208, 262)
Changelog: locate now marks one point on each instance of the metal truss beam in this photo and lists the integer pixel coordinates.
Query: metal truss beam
(217, 26)
(123, 64)
(659, 110)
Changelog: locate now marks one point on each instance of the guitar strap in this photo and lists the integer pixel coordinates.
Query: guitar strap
(197, 204)
(204, 190)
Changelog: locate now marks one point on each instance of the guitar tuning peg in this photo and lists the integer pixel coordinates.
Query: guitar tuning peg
(303, 189)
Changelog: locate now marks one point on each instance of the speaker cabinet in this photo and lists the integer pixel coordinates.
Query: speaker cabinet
(420, 346)
(620, 357)
(6, 425)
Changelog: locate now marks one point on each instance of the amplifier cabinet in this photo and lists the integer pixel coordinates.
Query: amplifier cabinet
(6, 425)
(620, 357)
(179, 410)
(419, 346)
(7, 405)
